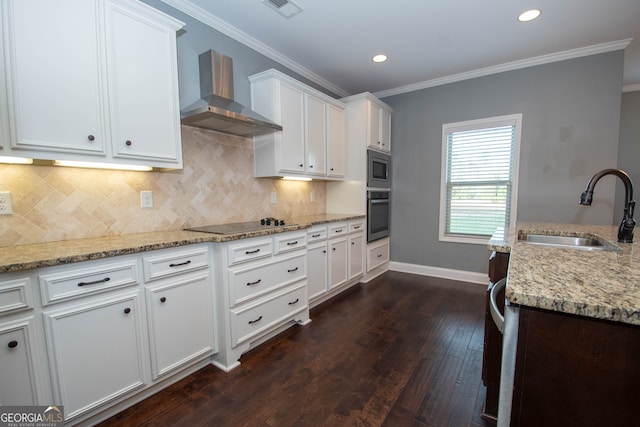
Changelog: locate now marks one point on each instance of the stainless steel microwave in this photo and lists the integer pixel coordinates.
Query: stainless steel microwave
(378, 170)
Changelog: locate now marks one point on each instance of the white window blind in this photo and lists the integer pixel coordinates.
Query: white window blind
(480, 166)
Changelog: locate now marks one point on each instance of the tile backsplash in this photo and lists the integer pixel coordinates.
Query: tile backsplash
(216, 185)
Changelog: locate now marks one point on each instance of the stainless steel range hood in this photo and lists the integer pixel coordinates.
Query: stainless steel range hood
(216, 110)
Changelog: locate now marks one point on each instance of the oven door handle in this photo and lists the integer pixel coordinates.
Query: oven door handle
(498, 318)
(378, 201)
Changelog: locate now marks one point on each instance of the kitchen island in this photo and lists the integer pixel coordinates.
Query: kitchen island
(572, 329)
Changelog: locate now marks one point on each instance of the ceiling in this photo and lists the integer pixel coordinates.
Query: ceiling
(428, 42)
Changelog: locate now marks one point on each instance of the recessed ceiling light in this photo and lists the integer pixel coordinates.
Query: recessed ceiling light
(379, 58)
(529, 15)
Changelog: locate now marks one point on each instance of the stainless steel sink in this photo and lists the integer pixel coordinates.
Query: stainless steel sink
(574, 242)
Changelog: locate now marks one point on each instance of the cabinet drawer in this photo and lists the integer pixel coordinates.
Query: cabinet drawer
(15, 295)
(175, 262)
(246, 251)
(76, 283)
(377, 255)
(257, 280)
(338, 229)
(290, 242)
(356, 227)
(317, 233)
(251, 321)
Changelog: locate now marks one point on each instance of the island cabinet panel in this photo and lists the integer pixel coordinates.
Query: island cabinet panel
(575, 371)
(492, 350)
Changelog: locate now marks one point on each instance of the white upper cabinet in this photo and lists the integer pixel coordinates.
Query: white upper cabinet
(143, 85)
(316, 135)
(55, 75)
(336, 150)
(312, 137)
(83, 77)
(379, 126)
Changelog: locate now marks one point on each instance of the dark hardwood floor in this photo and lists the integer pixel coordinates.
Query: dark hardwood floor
(402, 350)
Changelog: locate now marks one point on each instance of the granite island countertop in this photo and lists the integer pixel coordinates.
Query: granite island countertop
(38, 255)
(603, 284)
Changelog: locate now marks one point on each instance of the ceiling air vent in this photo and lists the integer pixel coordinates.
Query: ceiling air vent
(286, 8)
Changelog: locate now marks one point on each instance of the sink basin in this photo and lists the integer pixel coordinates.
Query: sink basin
(574, 242)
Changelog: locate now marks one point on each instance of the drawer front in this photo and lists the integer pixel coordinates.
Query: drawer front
(15, 295)
(290, 242)
(356, 226)
(338, 229)
(79, 282)
(247, 251)
(175, 262)
(251, 321)
(317, 233)
(377, 255)
(248, 283)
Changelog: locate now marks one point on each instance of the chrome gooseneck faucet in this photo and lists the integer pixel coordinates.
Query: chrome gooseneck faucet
(625, 231)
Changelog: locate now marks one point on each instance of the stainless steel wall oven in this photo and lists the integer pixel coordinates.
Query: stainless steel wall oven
(378, 214)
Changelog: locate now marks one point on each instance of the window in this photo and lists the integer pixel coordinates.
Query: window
(479, 177)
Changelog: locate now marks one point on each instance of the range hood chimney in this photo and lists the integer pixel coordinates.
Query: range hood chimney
(216, 110)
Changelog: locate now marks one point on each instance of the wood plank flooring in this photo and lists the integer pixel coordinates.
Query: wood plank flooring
(402, 350)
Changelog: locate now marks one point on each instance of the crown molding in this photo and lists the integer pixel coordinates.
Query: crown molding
(509, 66)
(631, 88)
(224, 27)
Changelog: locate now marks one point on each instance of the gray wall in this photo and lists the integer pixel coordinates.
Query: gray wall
(571, 117)
(629, 152)
(197, 37)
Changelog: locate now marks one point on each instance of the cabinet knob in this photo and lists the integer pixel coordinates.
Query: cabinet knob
(163, 299)
(331, 169)
(128, 142)
(13, 344)
(127, 310)
(311, 166)
(301, 165)
(91, 138)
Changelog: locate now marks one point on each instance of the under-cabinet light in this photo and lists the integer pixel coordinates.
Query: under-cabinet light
(16, 160)
(92, 165)
(529, 15)
(296, 178)
(379, 58)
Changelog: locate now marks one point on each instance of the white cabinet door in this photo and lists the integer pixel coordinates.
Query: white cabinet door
(17, 375)
(143, 85)
(317, 269)
(336, 148)
(180, 315)
(55, 75)
(315, 136)
(96, 351)
(291, 150)
(385, 130)
(373, 125)
(337, 262)
(356, 255)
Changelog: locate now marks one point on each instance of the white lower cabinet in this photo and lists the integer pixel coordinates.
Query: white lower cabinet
(96, 351)
(17, 376)
(180, 317)
(377, 257)
(262, 289)
(335, 257)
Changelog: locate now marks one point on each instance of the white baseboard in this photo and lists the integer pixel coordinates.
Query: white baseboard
(443, 273)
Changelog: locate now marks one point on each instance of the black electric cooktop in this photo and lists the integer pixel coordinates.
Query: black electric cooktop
(242, 227)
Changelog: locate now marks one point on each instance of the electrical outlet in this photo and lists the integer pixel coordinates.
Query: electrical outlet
(274, 197)
(146, 199)
(312, 196)
(5, 203)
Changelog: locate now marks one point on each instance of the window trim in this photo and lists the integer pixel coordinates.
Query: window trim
(511, 119)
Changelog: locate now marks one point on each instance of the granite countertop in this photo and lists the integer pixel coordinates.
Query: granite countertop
(603, 284)
(26, 257)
